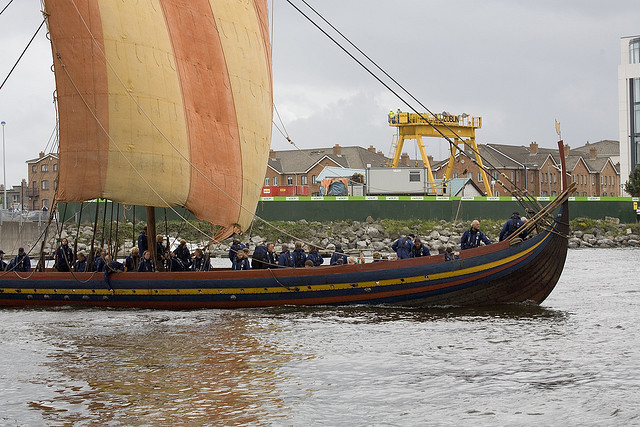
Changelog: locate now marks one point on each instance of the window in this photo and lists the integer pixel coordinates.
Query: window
(289, 180)
(593, 180)
(495, 175)
(532, 178)
(55, 167)
(634, 51)
(34, 168)
(553, 194)
(45, 185)
(45, 168)
(35, 186)
(541, 178)
(45, 202)
(275, 180)
(55, 185)
(313, 179)
(544, 193)
(584, 194)
(555, 178)
(470, 175)
(455, 175)
(303, 180)
(479, 176)
(266, 182)
(414, 176)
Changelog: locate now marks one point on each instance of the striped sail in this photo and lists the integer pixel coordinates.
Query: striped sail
(164, 103)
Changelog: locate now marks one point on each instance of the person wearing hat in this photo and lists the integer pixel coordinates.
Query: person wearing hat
(403, 247)
(3, 265)
(20, 263)
(511, 226)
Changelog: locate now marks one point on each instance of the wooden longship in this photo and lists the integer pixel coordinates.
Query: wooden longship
(494, 274)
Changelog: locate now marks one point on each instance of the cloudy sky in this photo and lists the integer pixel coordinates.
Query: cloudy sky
(518, 64)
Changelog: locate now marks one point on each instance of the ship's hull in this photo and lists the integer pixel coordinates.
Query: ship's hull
(493, 274)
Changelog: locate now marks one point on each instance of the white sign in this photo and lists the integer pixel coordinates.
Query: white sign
(468, 198)
(392, 198)
(572, 199)
(442, 197)
(292, 198)
(267, 199)
(543, 199)
(317, 198)
(342, 197)
(493, 198)
(417, 198)
(594, 199)
(371, 198)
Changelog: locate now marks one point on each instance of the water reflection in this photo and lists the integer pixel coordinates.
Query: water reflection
(141, 368)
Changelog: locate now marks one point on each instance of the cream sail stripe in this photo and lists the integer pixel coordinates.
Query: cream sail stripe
(305, 288)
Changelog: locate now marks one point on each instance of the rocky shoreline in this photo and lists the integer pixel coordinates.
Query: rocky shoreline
(372, 236)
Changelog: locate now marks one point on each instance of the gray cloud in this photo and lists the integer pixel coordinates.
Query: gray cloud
(518, 64)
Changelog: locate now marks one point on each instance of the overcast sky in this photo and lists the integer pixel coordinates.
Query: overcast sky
(518, 64)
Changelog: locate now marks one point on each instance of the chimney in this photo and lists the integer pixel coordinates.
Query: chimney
(372, 148)
(337, 150)
(272, 154)
(404, 159)
(41, 154)
(533, 147)
(566, 150)
(593, 153)
(380, 152)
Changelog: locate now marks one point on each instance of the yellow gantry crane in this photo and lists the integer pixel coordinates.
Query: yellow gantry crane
(456, 127)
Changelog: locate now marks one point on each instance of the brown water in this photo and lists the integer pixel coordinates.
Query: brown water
(575, 360)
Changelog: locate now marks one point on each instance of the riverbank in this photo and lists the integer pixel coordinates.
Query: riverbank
(354, 236)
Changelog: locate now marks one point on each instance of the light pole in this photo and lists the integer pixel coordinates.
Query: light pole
(4, 168)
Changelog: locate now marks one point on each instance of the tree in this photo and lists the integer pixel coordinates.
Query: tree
(633, 185)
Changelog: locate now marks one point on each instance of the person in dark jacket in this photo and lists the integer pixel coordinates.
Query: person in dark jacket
(298, 257)
(173, 263)
(403, 247)
(241, 262)
(236, 246)
(100, 260)
(146, 263)
(3, 265)
(143, 243)
(449, 255)
(21, 262)
(64, 256)
(511, 226)
(338, 257)
(285, 258)
(183, 254)
(160, 252)
(200, 263)
(419, 249)
(132, 261)
(259, 256)
(472, 237)
(315, 256)
(81, 263)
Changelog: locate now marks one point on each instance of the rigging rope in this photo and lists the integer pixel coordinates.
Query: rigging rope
(442, 123)
(5, 8)
(23, 52)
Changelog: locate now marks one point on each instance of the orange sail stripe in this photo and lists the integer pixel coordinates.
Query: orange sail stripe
(83, 144)
(212, 127)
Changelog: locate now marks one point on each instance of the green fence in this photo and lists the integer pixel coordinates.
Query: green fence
(378, 207)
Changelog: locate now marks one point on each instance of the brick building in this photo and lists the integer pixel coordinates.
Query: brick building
(42, 182)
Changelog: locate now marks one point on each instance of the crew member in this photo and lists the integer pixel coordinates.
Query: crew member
(64, 256)
(511, 226)
(403, 247)
(472, 237)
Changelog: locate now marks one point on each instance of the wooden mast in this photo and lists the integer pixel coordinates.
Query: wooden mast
(151, 233)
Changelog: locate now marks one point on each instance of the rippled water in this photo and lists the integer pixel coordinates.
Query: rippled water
(575, 360)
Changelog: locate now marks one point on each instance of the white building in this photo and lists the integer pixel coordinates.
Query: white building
(629, 105)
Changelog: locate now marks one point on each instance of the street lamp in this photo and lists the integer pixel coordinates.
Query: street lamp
(4, 168)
